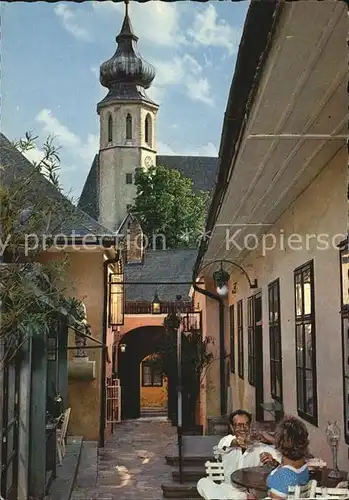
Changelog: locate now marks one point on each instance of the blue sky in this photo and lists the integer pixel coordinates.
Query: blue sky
(51, 55)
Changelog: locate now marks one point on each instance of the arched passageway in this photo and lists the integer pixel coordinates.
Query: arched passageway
(140, 343)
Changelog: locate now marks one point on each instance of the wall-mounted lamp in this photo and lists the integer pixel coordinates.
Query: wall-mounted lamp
(156, 305)
(122, 347)
(221, 278)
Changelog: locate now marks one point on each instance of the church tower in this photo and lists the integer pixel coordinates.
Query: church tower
(127, 126)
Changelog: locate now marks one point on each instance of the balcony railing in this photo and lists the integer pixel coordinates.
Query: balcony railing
(144, 307)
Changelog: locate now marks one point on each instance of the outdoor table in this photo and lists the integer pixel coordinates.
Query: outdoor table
(255, 478)
(252, 478)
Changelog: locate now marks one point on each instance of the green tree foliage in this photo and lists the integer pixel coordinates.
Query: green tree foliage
(166, 204)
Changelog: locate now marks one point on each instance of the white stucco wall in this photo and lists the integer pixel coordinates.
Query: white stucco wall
(321, 209)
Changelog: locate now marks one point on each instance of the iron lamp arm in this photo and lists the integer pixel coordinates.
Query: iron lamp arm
(253, 285)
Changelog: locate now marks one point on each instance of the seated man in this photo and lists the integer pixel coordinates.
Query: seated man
(238, 452)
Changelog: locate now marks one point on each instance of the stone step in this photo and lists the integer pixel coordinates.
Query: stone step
(153, 412)
(154, 408)
(146, 413)
(183, 491)
(63, 485)
(190, 475)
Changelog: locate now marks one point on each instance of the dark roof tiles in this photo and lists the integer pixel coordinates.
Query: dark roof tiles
(200, 169)
(161, 265)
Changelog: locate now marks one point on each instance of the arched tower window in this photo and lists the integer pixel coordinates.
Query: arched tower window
(148, 130)
(128, 127)
(110, 128)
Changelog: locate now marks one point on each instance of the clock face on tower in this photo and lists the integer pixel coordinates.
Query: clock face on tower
(148, 162)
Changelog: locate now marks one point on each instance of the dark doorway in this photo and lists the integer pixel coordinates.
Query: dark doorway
(259, 356)
(139, 343)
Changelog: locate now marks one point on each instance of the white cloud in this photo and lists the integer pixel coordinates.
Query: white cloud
(70, 22)
(156, 22)
(90, 148)
(208, 30)
(184, 71)
(34, 155)
(200, 90)
(208, 149)
(52, 126)
(70, 142)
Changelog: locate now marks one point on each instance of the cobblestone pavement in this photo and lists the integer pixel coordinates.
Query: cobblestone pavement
(131, 466)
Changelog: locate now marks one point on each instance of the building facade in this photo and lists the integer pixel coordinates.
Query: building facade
(283, 221)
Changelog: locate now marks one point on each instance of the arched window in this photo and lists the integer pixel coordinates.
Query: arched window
(128, 127)
(148, 130)
(110, 128)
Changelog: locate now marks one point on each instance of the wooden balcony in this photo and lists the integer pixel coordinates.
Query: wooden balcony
(144, 307)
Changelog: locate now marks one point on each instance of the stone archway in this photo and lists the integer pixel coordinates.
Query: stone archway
(140, 342)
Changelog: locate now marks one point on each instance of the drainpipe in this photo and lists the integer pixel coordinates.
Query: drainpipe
(104, 349)
(217, 298)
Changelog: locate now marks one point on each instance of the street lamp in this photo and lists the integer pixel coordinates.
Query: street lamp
(221, 277)
(156, 304)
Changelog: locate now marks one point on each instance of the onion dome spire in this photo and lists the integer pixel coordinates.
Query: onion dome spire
(126, 74)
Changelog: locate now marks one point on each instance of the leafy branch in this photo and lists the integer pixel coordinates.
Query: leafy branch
(32, 294)
(49, 165)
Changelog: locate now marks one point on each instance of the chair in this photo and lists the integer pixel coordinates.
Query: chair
(61, 435)
(306, 491)
(215, 471)
(332, 493)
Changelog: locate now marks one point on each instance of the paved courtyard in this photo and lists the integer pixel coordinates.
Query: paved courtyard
(131, 466)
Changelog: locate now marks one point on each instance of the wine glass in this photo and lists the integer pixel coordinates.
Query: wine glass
(255, 435)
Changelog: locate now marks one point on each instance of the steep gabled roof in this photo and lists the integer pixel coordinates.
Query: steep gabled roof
(15, 166)
(161, 265)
